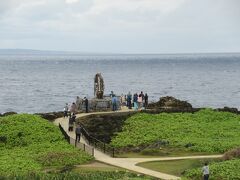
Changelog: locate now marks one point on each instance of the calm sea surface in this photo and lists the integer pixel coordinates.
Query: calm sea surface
(41, 83)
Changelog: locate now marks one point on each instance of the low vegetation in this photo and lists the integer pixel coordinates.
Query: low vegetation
(218, 170)
(204, 131)
(97, 175)
(30, 144)
(175, 167)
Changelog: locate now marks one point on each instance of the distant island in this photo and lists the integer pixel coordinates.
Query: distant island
(45, 52)
(59, 52)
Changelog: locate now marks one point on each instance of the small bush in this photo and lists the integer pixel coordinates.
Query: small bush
(232, 154)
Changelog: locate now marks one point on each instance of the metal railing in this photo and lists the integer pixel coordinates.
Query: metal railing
(101, 146)
(86, 148)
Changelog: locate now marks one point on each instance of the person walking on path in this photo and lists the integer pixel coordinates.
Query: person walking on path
(70, 123)
(65, 111)
(205, 171)
(78, 132)
(74, 118)
(86, 104)
(129, 100)
(146, 101)
(73, 108)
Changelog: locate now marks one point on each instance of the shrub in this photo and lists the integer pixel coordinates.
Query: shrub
(234, 153)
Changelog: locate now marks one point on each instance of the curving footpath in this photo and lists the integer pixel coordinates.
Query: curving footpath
(127, 163)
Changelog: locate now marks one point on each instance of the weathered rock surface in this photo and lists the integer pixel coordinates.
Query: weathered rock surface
(51, 116)
(170, 102)
(103, 127)
(229, 109)
(8, 113)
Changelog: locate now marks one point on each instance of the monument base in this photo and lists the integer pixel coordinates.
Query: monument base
(95, 104)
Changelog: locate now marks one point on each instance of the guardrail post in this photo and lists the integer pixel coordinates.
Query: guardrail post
(84, 147)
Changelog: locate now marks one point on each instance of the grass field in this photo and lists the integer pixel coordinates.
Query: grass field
(204, 131)
(175, 167)
(29, 143)
(33, 148)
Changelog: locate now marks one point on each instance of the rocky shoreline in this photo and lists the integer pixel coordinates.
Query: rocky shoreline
(166, 104)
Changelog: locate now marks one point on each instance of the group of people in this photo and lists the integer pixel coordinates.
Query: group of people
(73, 109)
(81, 102)
(71, 113)
(137, 101)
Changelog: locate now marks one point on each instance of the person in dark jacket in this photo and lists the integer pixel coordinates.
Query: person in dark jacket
(135, 101)
(65, 110)
(129, 100)
(86, 104)
(78, 132)
(70, 123)
(73, 117)
(146, 101)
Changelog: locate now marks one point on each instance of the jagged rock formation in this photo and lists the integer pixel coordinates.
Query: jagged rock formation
(104, 126)
(170, 102)
(7, 113)
(51, 116)
(228, 109)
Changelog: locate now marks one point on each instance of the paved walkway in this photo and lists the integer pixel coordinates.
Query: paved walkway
(128, 163)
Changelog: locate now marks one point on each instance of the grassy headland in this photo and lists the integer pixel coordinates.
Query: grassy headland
(204, 131)
(29, 143)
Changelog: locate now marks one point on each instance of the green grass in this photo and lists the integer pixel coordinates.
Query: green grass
(204, 131)
(30, 144)
(175, 167)
(225, 170)
(163, 152)
(97, 175)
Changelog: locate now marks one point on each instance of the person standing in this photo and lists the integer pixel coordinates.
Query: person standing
(114, 103)
(140, 101)
(123, 100)
(74, 118)
(73, 108)
(205, 171)
(70, 123)
(86, 104)
(129, 100)
(78, 132)
(65, 111)
(135, 101)
(146, 101)
(111, 94)
(78, 102)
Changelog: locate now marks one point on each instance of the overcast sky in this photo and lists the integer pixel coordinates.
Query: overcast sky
(121, 26)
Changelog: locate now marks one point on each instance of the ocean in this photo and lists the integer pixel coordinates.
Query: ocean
(44, 83)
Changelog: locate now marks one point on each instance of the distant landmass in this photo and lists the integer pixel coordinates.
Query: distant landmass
(49, 52)
(43, 52)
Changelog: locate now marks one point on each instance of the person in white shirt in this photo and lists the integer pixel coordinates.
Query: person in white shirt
(205, 171)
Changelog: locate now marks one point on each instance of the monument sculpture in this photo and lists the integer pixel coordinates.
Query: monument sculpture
(100, 102)
(98, 86)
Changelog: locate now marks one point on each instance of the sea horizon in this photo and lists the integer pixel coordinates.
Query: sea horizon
(44, 83)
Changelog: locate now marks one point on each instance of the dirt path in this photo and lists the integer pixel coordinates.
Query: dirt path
(128, 163)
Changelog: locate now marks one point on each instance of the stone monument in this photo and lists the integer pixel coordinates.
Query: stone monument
(100, 102)
(98, 86)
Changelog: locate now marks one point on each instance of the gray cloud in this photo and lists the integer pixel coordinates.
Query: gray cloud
(121, 26)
